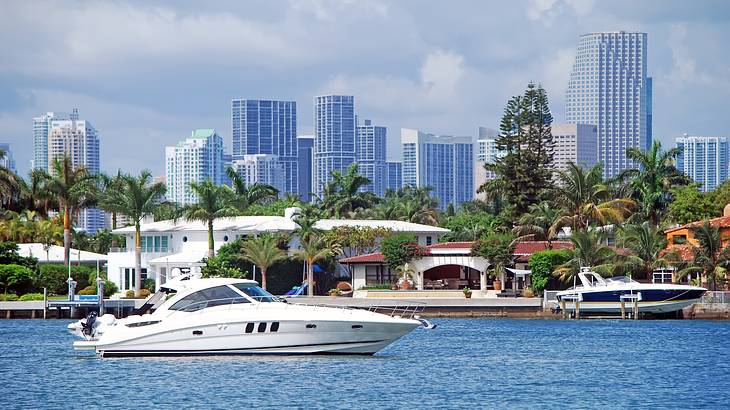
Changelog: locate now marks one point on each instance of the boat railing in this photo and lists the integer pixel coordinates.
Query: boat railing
(405, 310)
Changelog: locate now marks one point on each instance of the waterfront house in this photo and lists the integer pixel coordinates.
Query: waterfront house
(681, 240)
(450, 265)
(173, 247)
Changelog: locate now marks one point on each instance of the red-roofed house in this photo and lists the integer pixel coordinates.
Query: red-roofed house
(681, 239)
(447, 265)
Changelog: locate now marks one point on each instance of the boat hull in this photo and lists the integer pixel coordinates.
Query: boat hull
(245, 337)
(650, 300)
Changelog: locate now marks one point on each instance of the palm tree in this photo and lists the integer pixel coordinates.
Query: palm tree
(263, 252)
(588, 251)
(139, 198)
(585, 200)
(710, 258)
(248, 195)
(653, 177)
(34, 193)
(9, 184)
(214, 202)
(646, 243)
(539, 224)
(311, 250)
(342, 196)
(49, 233)
(110, 187)
(75, 189)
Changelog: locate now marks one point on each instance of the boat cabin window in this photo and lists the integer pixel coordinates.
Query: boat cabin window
(620, 279)
(255, 292)
(215, 296)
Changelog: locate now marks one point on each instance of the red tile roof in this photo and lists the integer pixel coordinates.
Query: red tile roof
(523, 250)
(721, 222)
(376, 257)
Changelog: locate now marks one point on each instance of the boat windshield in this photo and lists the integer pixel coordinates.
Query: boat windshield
(256, 293)
(620, 279)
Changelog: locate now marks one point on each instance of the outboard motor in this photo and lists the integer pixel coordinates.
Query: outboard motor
(88, 324)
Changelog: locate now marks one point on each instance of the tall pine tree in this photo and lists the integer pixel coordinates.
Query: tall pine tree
(524, 172)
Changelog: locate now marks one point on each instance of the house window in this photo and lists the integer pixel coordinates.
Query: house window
(378, 275)
(679, 239)
(429, 240)
(154, 243)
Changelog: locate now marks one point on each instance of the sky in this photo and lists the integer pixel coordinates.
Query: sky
(147, 73)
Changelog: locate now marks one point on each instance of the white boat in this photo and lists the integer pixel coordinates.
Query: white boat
(236, 316)
(596, 294)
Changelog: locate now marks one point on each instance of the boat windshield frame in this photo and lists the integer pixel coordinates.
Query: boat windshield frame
(259, 295)
(619, 280)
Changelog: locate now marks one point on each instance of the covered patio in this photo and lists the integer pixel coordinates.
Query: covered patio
(447, 268)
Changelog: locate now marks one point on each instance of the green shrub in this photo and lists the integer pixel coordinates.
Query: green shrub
(9, 297)
(400, 249)
(31, 296)
(54, 276)
(148, 283)
(14, 275)
(543, 263)
(89, 290)
(384, 286)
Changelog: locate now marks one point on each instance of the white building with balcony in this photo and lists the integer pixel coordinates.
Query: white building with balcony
(170, 248)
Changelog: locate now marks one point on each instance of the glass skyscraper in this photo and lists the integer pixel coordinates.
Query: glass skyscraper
(394, 175)
(704, 159)
(306, 148)
(78, 140)
(41, 126)
(267, 127)
(370, 146)
(334, 137)
(196, 159)
(444, 163)
(609, 88)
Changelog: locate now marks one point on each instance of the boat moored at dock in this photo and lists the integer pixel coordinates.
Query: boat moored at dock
(596, 294)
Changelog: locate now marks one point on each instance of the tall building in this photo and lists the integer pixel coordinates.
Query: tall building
(261, 168)
(267, 127)
(486, 153)
(609, 87)
(394, 175)
(370, 147)
(444, 163)
(306, 162)
(704, 159)
(7, 161)
(334, 137)
(78, 140)
(576, 143)
(196, 159)
(41, 126)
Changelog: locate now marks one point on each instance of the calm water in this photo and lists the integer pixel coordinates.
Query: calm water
(467, 363)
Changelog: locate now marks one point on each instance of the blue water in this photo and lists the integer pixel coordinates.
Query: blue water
(464, 363)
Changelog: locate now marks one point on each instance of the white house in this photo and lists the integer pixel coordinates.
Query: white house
(171, 247)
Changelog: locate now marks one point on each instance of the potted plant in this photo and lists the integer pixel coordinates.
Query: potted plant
(467, 293)
(497, 284)
(528, 293)
(335, 292)
(406, 280)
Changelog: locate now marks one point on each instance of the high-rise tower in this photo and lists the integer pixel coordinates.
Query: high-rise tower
(334, 137)
(267, 127)
(609, 88)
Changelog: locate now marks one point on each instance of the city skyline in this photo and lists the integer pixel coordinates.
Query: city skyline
(442, 77)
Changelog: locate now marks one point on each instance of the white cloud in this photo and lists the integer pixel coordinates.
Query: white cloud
(684, 71)
(546, 11)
